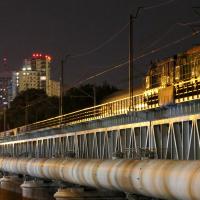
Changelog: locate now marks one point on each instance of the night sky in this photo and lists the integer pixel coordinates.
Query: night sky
(73, 27)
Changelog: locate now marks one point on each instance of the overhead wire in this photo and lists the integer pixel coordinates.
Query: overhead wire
(158, 5)
(139, 57)
(171, 28)
(110, 68)
(101, 45)
(188, 23)
(116, 34)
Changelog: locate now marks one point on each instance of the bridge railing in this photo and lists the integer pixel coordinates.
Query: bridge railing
(114, 108)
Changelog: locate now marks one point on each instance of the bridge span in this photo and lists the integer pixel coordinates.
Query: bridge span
(99, 142)
(168, 133)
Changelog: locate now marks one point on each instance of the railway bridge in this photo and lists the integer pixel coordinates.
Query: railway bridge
(146, 150)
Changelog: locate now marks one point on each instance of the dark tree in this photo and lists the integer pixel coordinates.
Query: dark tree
(30, 106)
(83, 96)
(34, 105)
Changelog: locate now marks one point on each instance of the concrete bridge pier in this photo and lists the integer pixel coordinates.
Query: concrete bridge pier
(81, 194)
(11, 183)
(38, 189)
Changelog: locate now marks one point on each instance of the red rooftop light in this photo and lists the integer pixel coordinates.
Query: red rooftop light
(39, 55)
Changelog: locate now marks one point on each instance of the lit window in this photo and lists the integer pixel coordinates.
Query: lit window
(43, 78)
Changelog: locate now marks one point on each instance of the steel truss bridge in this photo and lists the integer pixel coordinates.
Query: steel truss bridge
(159, 133)
(86, 145)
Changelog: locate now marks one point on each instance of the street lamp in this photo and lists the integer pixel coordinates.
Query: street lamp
(61, 83)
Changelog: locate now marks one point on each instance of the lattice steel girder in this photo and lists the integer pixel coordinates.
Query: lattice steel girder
(173, 138)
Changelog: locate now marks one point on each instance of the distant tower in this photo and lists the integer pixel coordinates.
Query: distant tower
(5, 83)
(5, 62)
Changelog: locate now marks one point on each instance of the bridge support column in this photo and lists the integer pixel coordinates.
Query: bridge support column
(36, 189)
(81, 194)
(11, 183)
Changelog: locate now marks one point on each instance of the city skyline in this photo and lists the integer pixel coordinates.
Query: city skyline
(75, 27)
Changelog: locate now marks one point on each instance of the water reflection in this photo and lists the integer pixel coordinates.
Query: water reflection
(4, 194)
(7, 195)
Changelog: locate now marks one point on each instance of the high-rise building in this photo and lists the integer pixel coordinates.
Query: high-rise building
(35, 73)
(26, 77)
(54, 88)
(41, 64)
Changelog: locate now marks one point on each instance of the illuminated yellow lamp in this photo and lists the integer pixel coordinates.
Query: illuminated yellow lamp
(193, 80)
(142, 105)
(181, 99)
(180, 83)
(157, 105)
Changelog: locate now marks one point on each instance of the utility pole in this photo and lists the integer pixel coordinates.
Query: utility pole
(131, 81)
(26, 106)
(61, 88)
(131, 62)
(62, 84)
(94, 95)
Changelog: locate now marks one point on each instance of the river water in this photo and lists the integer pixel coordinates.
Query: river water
(7, 195)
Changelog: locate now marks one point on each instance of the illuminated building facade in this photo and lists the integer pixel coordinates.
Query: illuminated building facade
(177, 77)
(27, 78)
(54, 88)
(35, 73)
(41, 64)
